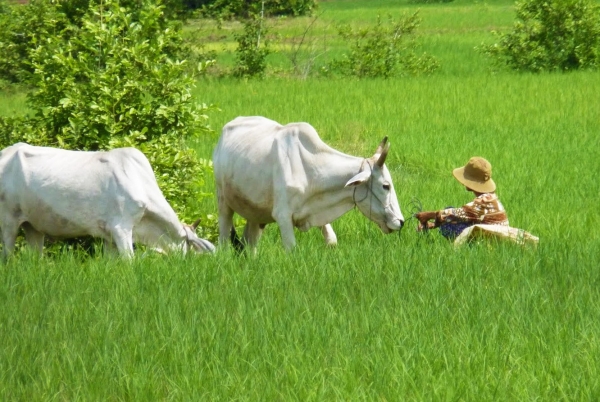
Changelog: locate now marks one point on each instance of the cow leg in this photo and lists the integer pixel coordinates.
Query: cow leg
(10, 229)
(252, 233)
(288, 238)
(225, 222)
(329, 235)
(34, 238)
(123, 239)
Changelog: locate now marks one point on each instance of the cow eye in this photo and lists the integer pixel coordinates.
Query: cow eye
(386, 187)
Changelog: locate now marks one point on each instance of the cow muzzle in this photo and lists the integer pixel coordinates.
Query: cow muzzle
(392, 226)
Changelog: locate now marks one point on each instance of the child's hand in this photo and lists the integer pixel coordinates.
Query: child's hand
(425, 226)
(425, 216)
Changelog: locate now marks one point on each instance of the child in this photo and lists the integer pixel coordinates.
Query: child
(486, 208)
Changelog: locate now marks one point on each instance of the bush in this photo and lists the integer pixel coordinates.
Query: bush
(550, 35)
(114, 84)
(383, 51)
(251, 53)
(23, 28)
(246, 8)
(74, 10)
(430, 1)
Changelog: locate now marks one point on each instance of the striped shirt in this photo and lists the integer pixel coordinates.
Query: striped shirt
(486, 209)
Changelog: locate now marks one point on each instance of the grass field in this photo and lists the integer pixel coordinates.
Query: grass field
(396, 317)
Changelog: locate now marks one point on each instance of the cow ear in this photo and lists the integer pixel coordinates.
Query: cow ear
(201, 245)
(359, 178)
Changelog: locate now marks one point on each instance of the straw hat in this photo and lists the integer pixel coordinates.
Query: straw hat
(476, 175)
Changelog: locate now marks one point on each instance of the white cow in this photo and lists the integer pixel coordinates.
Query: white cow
(112, 195)
(267, 173)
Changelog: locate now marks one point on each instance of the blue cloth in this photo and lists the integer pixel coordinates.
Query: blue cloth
(451, 230)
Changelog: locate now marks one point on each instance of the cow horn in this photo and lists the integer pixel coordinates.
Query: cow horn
(383, 155)
(380, 146)
(195, 224)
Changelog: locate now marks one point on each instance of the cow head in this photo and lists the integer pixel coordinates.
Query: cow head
(374, 193)
(194, 242)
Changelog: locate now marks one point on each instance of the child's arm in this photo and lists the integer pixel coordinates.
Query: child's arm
(425, 217)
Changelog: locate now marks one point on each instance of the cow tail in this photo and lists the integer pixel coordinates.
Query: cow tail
(236, 242)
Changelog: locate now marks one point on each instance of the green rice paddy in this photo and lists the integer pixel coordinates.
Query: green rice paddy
(380, 317)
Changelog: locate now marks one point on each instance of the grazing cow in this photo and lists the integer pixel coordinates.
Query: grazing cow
(267, 173)
(112, 195)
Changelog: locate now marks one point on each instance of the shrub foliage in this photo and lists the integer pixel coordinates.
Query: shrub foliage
(252, 49)
(246, 8)
(430, 1)
(383, 50)
(551, 35)
(116, 83)
(22, 29)
(25, 27)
